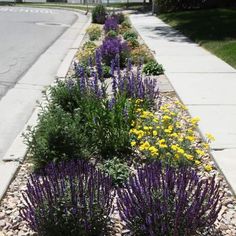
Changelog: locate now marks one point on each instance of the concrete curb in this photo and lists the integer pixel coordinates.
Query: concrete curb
(18, 150)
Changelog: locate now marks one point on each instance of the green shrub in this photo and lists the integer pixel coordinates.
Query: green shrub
(112, 34)
(99, 14)
(126, 24)
(79, 123)
(106, 71)
(94, 32)
(130, 34)
(132, 42)
(118, 170)
(58, 136)
(153, 68)
(141, 53)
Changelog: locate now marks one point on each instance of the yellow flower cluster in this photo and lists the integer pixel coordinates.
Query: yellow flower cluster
(168, 135)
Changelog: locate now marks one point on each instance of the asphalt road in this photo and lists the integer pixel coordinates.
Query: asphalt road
(25, 33)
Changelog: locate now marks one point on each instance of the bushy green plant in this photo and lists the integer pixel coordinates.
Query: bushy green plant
(126, 24)
(117, 169)
(57, 136)
(112, 34)
(141, 53)
(99, 14)
(106, 71)
(132, 43)
(94, 32)
(153, 68)
(130, 34)
(81, 122)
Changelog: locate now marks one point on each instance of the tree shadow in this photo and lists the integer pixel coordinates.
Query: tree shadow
(205, 25)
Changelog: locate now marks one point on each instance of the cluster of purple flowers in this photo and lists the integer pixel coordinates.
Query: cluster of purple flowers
(113, 46)
(169, 201)
(71, 198)
(111, 24)
(132, 83)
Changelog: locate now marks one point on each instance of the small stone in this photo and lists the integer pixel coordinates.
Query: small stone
(230, 206)
(2, 223)
(228, 232)
(233, 221)
(10, 233)
(2, 215)
(8, 211)
(22, 233)
(223, 227)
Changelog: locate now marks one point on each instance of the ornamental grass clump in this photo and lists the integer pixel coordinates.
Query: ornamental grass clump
(71, 198)
(111, 23)
(168, 201)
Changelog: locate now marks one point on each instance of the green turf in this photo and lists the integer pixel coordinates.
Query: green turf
(213, 29)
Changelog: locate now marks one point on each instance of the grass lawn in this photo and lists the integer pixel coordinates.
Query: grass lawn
(213, 29)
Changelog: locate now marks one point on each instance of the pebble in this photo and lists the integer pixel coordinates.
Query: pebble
(231, 206)
(2, 216)
(2, 223)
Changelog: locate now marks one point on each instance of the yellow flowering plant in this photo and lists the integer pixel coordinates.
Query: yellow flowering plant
(169, 135)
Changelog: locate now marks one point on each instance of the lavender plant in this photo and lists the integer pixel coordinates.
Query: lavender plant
(72, 198)
(169, 201)
(111, 23)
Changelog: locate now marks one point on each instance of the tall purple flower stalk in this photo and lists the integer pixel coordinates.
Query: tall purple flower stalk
(168, 201)
(134, 85)
(72, 198)
(131, 83)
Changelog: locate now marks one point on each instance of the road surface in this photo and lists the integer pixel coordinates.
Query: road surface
(25, 33)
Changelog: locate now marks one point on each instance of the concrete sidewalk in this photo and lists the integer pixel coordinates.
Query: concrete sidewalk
(203, 82)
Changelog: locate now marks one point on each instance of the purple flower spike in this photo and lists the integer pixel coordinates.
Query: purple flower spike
(71, 198)
(163, 200)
